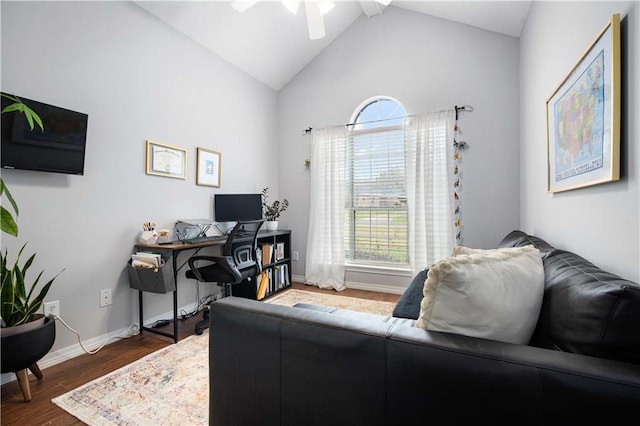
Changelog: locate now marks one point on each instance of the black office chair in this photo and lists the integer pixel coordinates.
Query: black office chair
(238, 262)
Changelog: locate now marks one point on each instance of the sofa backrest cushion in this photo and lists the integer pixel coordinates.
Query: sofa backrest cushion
(585, 310)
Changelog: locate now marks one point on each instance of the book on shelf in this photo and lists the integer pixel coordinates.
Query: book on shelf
(267, 253)
(279, 251)
(264, 283)
(281, 277)
(285, 269)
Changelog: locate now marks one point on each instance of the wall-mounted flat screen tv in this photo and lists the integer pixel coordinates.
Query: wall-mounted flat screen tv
(60, 148)
(234, 207)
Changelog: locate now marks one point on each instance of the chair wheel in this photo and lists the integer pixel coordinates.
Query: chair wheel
(199, 331)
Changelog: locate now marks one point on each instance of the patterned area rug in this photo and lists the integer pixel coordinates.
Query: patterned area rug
(167, 387)
(293, 296)
(171, 386)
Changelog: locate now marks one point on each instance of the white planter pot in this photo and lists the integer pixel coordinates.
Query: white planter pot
(272, 225)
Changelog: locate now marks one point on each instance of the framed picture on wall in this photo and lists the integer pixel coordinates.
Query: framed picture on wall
(208, 168)
(166, 160)
(583, 117)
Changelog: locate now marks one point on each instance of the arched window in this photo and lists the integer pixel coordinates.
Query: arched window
(381, 111)
(376, 207)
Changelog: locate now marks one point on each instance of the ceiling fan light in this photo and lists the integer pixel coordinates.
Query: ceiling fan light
(384, 2)
(292, 5)
(325, 6)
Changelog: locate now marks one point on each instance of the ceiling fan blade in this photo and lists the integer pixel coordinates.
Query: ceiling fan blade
(242, 5)
(315, 22)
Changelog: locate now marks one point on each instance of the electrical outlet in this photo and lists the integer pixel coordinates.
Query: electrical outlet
(51, 308)
(105, 297)
(296, 255)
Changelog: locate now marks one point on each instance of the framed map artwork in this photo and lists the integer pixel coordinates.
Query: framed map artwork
(583, 117)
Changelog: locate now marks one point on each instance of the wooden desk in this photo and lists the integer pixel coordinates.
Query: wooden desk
(246, 289)
(171, 251)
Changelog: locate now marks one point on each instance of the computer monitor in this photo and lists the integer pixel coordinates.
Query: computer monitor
(234, 207)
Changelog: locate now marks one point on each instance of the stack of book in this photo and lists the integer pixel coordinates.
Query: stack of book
(146, 260)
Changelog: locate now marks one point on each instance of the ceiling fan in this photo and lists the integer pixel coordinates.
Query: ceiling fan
(315, 9)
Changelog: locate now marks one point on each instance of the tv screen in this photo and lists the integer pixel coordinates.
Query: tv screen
(60, 148)
(234, 207)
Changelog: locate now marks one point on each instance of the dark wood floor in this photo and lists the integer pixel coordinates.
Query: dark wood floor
(70, 374)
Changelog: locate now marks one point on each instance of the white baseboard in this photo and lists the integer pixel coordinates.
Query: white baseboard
(380, 288)
(65, 354)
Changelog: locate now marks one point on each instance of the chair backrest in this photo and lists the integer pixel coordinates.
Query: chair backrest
(242, 244)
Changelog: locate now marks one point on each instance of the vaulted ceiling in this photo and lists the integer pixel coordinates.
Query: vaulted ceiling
(271, 44)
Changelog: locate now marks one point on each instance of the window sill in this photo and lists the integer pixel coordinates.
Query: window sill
(398, 271)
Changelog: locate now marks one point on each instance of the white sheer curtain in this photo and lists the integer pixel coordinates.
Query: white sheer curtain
(325, 257)
(429, 166)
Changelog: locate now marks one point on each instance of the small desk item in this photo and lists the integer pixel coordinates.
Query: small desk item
(189, 229)
(172, 251)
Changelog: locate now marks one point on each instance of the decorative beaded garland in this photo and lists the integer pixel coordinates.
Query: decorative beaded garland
(457, 214)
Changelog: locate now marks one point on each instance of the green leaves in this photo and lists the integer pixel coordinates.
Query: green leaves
(272, 211)
(17, 305)
(9, 225)
(20, 106)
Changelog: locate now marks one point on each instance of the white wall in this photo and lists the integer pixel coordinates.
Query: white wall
(601, 222)
(427, 64)
(137, 79)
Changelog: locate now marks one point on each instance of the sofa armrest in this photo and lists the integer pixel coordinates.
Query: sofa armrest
(504, 383)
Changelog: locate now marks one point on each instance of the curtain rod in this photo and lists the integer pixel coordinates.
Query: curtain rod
(457, 108)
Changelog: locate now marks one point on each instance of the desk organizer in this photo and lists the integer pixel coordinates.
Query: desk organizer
(153, 280)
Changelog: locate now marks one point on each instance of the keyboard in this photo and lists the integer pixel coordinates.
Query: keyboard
(205, 239)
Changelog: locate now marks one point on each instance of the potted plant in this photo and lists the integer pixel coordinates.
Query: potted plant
(26, 335)
(272, 211)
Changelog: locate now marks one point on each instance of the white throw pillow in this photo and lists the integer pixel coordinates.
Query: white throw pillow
(494, 294)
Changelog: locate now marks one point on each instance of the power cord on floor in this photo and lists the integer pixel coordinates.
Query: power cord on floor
(95, 351)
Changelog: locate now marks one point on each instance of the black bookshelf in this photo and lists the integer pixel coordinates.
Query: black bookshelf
(276, 265)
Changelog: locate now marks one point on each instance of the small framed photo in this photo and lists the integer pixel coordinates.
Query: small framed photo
(279, 251)
(208, 168)
(166, 160)
(583, 117)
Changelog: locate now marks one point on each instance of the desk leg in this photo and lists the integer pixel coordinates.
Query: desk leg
(175, 297)
(174, 336)
(141, 327)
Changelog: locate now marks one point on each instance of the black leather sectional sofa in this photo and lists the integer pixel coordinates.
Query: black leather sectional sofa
(278, 365)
